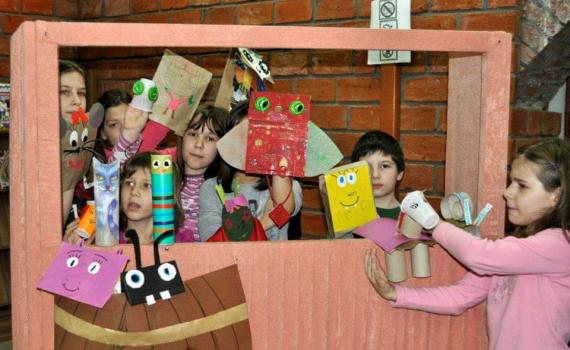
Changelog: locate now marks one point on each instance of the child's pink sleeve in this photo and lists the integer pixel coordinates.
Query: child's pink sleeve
(152, 134)
(124, 150)
(449, 300)
(547, 252)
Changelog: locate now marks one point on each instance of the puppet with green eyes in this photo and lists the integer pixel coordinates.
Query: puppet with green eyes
(162, 178)
(77, 139)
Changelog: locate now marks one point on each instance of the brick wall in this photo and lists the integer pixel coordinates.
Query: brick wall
(344, 88)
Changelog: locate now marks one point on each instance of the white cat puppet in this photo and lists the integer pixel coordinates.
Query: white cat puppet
(106, 182)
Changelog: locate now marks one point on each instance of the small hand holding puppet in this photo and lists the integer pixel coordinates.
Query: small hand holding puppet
(82, 274)
(149, 283)
(77, 138)
(106, 179)
(162, 178)
(278, 138)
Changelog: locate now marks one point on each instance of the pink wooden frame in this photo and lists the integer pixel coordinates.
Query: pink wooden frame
(301, 295)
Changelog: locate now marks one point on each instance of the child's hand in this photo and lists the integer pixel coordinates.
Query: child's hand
(71, 235)
(135, 120)
(377, 276)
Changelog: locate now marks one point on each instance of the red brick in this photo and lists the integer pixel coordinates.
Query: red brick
(417, 64)
(435, 202)
(281, 85)
(442, 117)
(420, 147)
(358, 89)
(446, 5)
(173, 4)
(289, 63)
(361, 63)
(440, 179)
(533, 123)
(329, 117)
(11, 23)
(66, 8)
(116, 8)
(551, 124)
(312, 198)
(5, 68)
(313, 224)
(258, 13)
(139, 6)
(352, 24)
(418, 6)
(161, 17)
(334, 9)
(192, 16)
(502, 3)
(5, 46)
(432, 89)
(421, 118)
(331, 62)
(434, 22)
(37, 6)
(214, 64)
(365, 118)
(438, 62)
(417, 177)
(91, 8)
(505, 21)
(219, 15)
(322, 90)
(204, 2)
(345, 141)
(518, 121)
(233, 1)
(288, 11)
(9, 5)
(365, 8)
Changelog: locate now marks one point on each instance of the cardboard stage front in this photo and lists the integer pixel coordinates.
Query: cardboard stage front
(300, 295)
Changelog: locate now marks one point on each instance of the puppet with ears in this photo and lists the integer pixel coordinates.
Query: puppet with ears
(77, 140)
(210, 314)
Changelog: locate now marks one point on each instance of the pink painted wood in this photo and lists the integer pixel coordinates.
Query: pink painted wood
(301, 295)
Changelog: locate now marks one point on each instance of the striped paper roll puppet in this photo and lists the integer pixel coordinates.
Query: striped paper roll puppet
(162, 177)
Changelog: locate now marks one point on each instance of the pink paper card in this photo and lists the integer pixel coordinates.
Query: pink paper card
(384, 233)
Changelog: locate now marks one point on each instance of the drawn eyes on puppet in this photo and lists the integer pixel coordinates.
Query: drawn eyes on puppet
(351, 177)
(94, 267)
(134, 279)
(167, 272)
(262, 104)
(85, 135)
(73, 138)
(297, 107)
(72, 262)
(343, 180)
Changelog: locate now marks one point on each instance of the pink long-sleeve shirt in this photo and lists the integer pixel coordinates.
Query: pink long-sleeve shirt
(526, 282)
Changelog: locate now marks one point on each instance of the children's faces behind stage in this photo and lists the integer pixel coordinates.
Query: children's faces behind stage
(72, 93)
(136, 195)
(113, 123)
(198, 146)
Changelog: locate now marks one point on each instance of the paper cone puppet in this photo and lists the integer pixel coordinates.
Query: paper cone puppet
(181, 85)
(278, 138)
(84, 275)
(106, 183)
(348, 197)
(78, 134)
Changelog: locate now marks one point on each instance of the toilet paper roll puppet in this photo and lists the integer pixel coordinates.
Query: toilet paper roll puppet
(106, 183)
(163, 201)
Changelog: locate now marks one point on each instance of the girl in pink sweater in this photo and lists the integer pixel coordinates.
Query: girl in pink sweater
(525, 277)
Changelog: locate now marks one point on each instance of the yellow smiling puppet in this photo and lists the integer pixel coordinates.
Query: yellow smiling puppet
(350, 201)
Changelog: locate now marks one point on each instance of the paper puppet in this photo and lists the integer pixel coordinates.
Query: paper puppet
(210, 315)
(162, 178)
(395, 237)
(82, 274)
(256, 63)
(238, 223)
(348, 197)
(78, 134)
(181, 85)
(277, 138)
(106, 183)
(145, 94)
(158, 281)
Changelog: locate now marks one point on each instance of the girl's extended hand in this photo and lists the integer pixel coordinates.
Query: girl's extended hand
(135, 120)
(377, 276)
(71, 235)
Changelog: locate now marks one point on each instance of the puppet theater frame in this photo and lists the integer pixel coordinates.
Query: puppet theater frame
(301, 295)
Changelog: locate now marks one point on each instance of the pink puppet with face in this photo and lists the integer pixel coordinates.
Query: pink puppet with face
(84, 275)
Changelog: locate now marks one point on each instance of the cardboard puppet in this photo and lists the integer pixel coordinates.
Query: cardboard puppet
(181, 85)
(78, 135)
(348, 197)
(162, 178)
(278, 138)
(106, 183)
(82, 274)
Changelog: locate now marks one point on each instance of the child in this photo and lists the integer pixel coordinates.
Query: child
(136, 198)
(525, 278)
(198, 158)
(254, 188)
